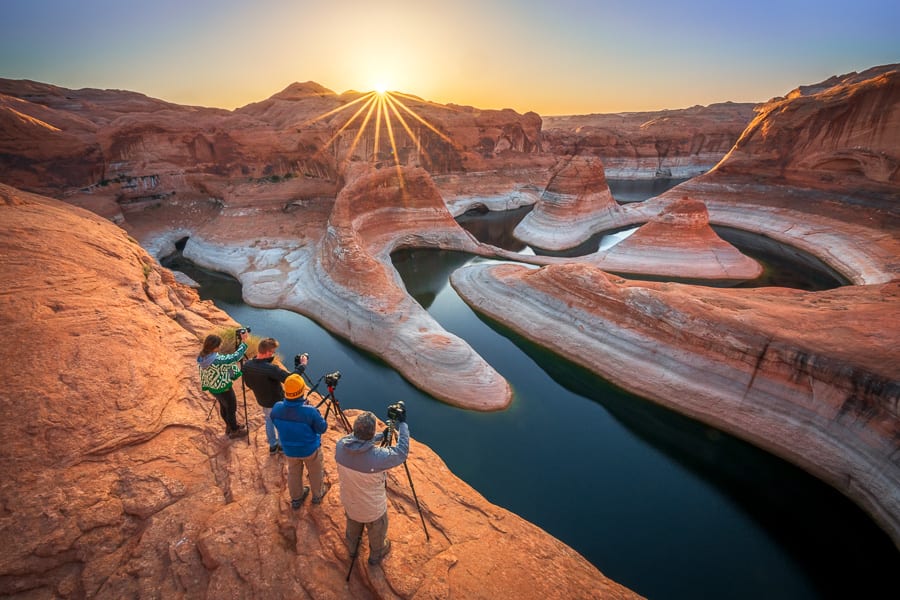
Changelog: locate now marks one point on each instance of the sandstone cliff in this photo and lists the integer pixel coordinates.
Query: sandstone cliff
(115, 485)
(642, 145)
(837, 133)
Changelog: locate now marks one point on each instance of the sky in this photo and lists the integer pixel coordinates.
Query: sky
(553, 57)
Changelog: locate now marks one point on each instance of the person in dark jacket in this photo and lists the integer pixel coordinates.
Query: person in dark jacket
(361, 465)
(217, 373)
(300, 428)
(264, 376)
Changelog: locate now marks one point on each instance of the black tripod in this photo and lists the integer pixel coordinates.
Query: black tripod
(330, 401)
(237, 344)
(386, 441)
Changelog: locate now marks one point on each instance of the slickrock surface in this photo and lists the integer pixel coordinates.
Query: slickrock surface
(676, 242)
(643, 145)
(375, 214)
(800, 374)
(115, 485)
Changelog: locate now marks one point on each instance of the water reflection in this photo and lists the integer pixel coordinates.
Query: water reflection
(638, 190)
(426, 273)
(496, 227)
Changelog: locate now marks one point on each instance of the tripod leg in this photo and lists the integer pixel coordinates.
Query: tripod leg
(355, 552)
(345, 421)
(416, 498)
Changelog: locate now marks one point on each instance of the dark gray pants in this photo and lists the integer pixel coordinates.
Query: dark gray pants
(377, 535)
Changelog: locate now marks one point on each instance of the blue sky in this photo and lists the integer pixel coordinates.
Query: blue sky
(553, 57)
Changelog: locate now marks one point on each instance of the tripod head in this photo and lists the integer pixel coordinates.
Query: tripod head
(331, 381)
(396, 414)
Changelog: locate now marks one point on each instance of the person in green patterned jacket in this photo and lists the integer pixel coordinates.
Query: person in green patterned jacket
(217, 372)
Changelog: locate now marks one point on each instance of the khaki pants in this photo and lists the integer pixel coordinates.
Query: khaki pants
(316, 468)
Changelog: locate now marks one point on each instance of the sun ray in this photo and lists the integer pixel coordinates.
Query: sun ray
(420, 150)
(390, 130)
(428, 102)
(377, 126)
(384, 106)
(424, 122)
(345, 125)
(336, 110)
(362, 129)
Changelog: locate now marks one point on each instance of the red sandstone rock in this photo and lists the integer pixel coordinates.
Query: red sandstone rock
(840, 132)
(115, 485)
(680, 243)
(377, 212)
(564, 216)
(818, 170)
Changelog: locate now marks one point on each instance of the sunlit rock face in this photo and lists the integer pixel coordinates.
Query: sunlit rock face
(837, 133)
(800, 374)
(644, 145)
(819, 170)
(576, 193)
(115, 147)
(115, 484)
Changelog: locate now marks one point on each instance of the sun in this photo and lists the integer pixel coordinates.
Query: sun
(381, 88)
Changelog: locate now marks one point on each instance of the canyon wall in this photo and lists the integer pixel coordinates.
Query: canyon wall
(644, 145)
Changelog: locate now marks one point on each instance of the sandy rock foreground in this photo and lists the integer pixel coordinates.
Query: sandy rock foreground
(113, 484)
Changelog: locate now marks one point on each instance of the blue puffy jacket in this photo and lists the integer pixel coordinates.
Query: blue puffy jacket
(300, 427)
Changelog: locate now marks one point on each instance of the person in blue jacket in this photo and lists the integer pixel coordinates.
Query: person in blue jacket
(217, 373)
(300, 428)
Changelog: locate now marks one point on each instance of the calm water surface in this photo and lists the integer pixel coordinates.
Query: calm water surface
(660, 503)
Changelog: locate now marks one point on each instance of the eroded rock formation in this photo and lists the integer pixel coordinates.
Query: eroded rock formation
(263, 194)
(576, 193)
(115, 485)
(680, 242)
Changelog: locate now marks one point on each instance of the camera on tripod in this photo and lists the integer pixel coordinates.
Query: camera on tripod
(331, 379)
(397, 411)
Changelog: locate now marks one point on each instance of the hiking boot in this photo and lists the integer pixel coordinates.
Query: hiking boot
(384, 552)
(318, 499)
(241, 431)
(298, 502)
